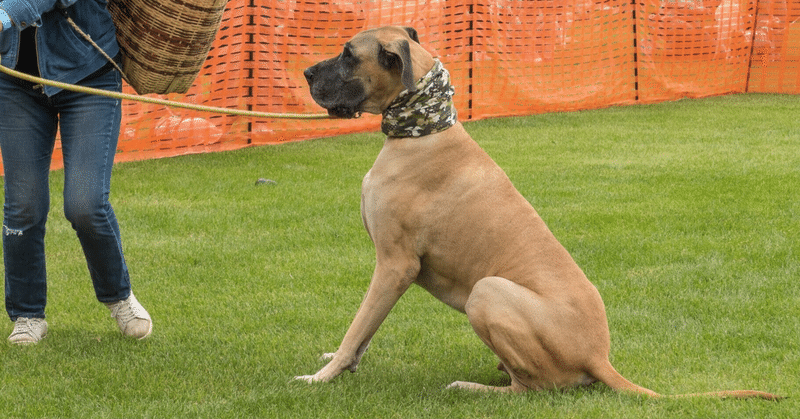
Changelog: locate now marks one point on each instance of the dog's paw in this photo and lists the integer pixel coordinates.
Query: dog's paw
(330, 355)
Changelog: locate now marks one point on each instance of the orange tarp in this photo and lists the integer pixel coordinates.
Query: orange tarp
(505, 58)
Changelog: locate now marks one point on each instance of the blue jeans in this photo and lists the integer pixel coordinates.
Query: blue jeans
(89, 128)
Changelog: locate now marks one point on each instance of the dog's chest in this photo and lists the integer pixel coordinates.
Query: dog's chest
(416, 181)
(406, 167)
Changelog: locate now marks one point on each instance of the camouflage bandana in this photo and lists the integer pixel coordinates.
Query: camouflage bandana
(426, 111)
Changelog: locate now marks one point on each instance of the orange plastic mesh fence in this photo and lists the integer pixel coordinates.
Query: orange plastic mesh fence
(775, 59)
(505, 58)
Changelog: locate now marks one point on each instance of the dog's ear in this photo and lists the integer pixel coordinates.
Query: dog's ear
(397, 55)
(412, 33)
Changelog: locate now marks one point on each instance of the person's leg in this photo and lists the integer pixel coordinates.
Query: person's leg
(27, 136)
(89, 133)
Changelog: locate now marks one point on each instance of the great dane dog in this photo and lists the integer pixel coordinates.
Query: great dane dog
(443, 215)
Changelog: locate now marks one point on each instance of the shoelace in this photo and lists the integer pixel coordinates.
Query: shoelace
(25, 327)
(126, 310)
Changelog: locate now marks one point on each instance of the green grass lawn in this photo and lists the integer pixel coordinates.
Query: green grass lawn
(686, 215)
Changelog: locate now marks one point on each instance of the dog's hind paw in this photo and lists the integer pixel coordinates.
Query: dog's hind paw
(464, 385)
(458, 384)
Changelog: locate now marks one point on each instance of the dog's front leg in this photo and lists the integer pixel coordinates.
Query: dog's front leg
(389, 282)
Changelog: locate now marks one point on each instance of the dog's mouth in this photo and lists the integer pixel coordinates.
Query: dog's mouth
(336, 107)
(344, 112)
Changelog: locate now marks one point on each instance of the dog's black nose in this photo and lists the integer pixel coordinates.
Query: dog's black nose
(309, 75)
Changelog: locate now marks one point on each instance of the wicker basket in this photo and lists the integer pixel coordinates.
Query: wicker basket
(165, 42)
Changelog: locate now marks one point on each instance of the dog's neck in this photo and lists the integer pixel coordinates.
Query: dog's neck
(427, 110)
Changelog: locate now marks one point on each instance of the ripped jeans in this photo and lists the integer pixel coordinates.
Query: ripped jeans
(89, 127)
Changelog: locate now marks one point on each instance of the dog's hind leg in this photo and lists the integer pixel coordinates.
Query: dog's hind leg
(533, 337)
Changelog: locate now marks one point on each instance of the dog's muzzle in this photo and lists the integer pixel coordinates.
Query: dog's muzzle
(342, 99)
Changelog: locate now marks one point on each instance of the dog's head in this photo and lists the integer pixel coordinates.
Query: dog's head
(373, 68)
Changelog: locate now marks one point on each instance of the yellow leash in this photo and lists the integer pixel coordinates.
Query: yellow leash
(155, 101)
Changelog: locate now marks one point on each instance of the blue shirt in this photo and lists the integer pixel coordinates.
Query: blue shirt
(62, 54)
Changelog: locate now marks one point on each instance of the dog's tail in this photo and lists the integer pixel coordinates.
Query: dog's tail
(608, 375)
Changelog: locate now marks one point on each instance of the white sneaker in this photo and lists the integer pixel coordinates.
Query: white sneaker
(132, 319)
(28, 330)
